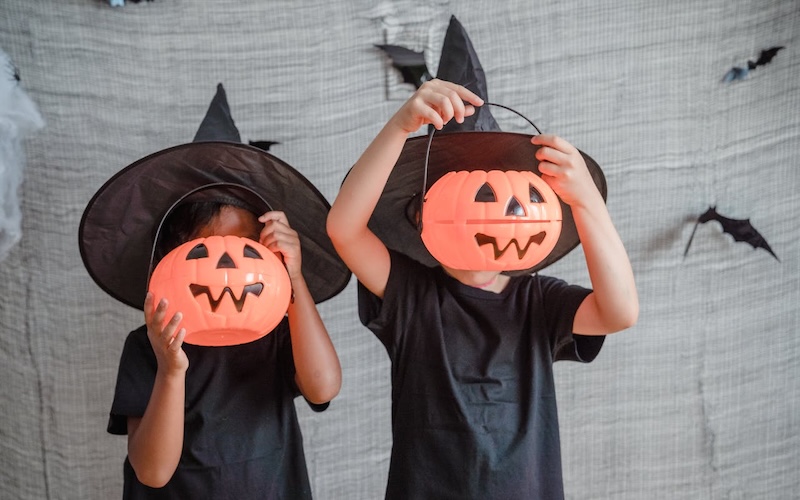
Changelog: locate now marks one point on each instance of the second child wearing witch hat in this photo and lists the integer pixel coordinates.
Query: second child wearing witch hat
(473, 393)
(215, 422)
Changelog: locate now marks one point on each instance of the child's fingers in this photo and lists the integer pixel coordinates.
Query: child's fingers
(276, 216)
(432, 116)
(279, 240)
(154, 316)
(285, 243)
(456, 107)
(277, 231)
(168, 332)
(177, 341)
(555, 176)
(548, 169)
(287, 248)
(463, 93)
(543, 139)
(463, 101)
(148, 306)
(551, 155)
(427, 106)
(446, 107)
(553, 141)
(443, 101)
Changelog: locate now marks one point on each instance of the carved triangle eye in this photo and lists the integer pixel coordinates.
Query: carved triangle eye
(536, 196)
(251, 252)
(198, 252)
(225, 262)
(514, 207)
(485, 194)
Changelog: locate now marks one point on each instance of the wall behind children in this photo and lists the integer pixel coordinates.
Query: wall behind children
(700, 400)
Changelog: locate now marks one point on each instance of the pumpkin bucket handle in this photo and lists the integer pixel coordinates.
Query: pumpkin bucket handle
(179, 201)
(428, 154)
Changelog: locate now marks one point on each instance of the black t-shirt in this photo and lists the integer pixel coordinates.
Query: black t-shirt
(241, 435)
(473, 397)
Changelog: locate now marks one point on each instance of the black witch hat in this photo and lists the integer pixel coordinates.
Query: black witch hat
(119, 227)
(471, 145)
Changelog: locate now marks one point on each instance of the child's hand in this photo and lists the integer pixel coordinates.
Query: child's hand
(436, 102)
(283, 240)
(564, 169)
(167, 345)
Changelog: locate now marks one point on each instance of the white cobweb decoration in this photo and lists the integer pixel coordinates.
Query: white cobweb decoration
(18, 118)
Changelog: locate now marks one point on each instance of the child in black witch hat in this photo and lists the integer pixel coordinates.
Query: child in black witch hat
(473, 398)
(215, 422)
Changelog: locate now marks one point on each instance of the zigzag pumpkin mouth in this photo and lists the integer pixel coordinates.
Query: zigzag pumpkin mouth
(484, 239)
(254, 288)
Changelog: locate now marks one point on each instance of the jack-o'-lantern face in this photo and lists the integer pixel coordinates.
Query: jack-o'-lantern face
(490, 221)
(230, 290)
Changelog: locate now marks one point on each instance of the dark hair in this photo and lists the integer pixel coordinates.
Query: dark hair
(183, 223)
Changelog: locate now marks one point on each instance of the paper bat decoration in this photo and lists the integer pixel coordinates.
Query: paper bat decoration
(740, 229)
(410, 63)
(265, 145)
(740, 73)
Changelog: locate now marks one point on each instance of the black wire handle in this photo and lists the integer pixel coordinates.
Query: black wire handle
(428, 154)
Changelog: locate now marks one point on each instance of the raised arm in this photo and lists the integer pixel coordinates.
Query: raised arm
(155, 441)
(435, 102)
(318, 373)
(613, 304)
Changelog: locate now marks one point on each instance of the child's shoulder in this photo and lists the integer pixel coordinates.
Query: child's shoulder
(137, 341)
(138, 336)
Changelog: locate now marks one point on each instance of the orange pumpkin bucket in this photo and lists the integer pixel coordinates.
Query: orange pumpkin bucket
(230, 290)
(490, 220)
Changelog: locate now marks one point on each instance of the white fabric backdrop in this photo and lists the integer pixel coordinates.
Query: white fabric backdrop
(18, 119)
(699, 401)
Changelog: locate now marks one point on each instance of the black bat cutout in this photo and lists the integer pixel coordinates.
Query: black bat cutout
(740, 73)
(765, 57)
(263, 145)
(740, 229)
(410, 63)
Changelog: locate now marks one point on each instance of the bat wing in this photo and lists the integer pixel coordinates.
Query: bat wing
(735, 73)
(766, 55)
(410, 63)
(740, 229)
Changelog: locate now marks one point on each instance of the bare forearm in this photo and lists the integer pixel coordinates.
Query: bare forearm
(608, 264)
(317, 369)
(358, 247)
(155, 442)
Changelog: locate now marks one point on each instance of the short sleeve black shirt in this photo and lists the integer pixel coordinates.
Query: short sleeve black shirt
(473, 397)
(241, 437)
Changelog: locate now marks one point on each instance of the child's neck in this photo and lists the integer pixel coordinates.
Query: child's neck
(488, 284)
(491, 281)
